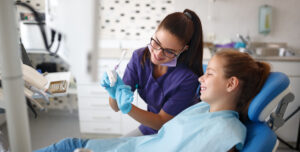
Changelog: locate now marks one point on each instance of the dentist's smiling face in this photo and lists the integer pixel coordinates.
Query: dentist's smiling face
(166, 41)
(213, 82)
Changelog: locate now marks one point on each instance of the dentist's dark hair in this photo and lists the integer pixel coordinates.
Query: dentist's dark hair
(250, 73)
(186, 26)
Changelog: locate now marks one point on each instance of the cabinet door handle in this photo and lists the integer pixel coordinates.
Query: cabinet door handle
(102, 129)
(99, 105)
(101, 117)
(96, 92)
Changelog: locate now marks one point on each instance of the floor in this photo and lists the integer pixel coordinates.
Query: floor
(55, 125)
(52, 126)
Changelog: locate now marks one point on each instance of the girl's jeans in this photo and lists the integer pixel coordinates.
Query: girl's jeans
(65, 145)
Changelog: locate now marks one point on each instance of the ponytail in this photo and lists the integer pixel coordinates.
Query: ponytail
(194, 55)
(264, 70)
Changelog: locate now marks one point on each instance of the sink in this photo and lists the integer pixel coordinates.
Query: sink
(265, 49)
(259, 49)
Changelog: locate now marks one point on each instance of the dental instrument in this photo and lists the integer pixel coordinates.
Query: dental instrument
(112, 74)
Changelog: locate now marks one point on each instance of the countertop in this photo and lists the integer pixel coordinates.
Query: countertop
(207, 55)
(116, 54)
(279, 58)
(272, 58)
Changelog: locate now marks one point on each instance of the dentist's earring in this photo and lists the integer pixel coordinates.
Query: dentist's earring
(186, 47)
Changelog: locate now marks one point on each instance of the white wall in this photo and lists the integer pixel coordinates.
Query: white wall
(230, 17)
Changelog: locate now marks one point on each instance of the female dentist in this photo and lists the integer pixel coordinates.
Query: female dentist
(164, 73)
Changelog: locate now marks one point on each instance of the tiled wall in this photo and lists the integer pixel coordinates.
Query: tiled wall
(132, 19)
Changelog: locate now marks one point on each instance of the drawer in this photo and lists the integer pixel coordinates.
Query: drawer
(100, 116)
(106, 128)
(93, 103)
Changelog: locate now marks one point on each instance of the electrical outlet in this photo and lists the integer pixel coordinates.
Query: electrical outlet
(38, 5)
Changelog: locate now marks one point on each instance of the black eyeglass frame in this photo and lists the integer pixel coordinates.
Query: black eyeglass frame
(165, 50)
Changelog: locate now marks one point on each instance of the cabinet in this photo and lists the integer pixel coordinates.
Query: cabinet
(95, 114)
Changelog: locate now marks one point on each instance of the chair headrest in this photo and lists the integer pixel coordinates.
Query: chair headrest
(204, 66)
(274, 89)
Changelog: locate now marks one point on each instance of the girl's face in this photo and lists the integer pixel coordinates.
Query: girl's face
(213, 82)
(165, 40)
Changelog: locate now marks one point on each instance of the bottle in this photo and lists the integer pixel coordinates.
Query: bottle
(265, 19)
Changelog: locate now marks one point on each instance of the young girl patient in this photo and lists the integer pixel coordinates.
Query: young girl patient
(230, 82)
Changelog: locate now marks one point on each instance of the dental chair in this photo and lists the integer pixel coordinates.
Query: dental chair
(264, 121)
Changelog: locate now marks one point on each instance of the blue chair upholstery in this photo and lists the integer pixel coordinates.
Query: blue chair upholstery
(274, 94)
(260, 137)
(275, 87)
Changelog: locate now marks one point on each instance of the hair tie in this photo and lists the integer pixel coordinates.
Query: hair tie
(188, 15)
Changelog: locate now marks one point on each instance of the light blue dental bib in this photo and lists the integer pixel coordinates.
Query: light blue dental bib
(194, 129)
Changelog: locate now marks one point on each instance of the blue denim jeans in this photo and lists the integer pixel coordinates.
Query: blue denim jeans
(65, 145)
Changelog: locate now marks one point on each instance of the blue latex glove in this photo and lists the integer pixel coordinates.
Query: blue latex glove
(124, 97)
(106, 84)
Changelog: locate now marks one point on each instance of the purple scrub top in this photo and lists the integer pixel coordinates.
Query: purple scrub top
(173, 92)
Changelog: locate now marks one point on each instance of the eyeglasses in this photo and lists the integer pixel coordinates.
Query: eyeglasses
(166, 52)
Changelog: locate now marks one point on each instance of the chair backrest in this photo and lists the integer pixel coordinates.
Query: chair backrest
(275, 88)
(260, 137)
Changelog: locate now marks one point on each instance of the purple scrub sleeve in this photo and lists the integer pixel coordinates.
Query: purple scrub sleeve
(173, 92)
